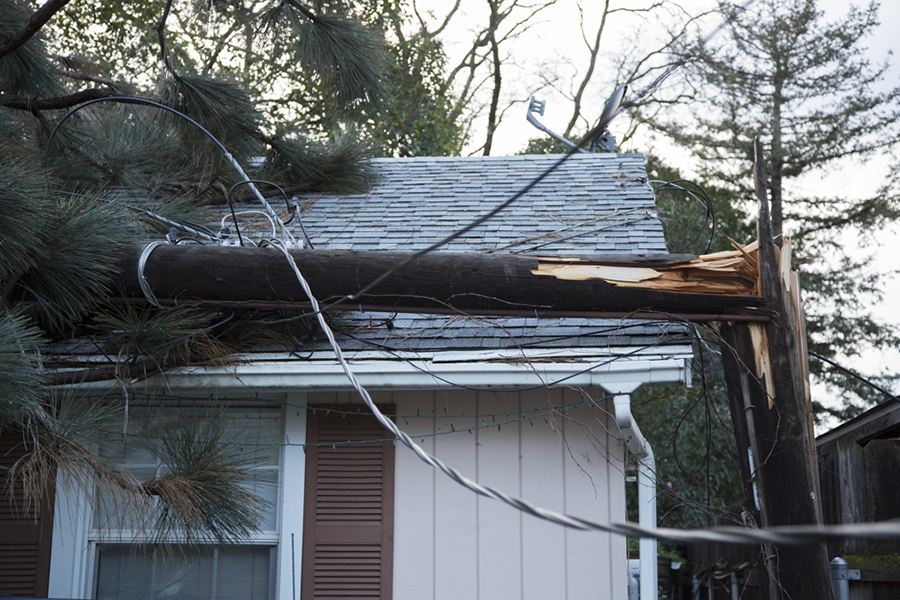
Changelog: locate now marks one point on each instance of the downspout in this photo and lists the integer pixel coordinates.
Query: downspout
(640, 447)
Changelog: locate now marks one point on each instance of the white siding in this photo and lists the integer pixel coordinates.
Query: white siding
(543, 483)
(456, 559)
(415, 505)
(450, 543)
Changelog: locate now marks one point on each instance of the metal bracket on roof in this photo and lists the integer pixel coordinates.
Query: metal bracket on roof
(606, 142)
(537, 106)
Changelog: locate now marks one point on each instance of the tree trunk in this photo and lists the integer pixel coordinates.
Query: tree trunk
(495, 96)
(777, 163)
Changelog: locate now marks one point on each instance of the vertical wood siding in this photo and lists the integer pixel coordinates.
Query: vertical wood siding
(450, 543)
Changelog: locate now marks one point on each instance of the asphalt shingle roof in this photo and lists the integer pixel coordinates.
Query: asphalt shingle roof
(593, 203)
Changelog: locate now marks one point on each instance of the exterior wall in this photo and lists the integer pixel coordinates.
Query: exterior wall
(451, 543)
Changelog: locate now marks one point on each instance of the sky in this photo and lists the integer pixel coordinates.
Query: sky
(554, 44)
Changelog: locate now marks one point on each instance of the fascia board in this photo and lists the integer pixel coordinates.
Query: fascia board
(389, 373)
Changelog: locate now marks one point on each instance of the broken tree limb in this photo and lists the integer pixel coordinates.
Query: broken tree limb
(437, 282)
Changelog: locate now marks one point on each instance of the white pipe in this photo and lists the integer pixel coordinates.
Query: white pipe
(640, 447)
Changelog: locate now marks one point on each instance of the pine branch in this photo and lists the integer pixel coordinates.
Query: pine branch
(60, 102)
(32, 26)
(304, 11)
(6, 288)
(146, 368)
(292, 189)
(82, 77)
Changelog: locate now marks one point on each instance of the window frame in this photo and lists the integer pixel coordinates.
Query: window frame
(75, 557)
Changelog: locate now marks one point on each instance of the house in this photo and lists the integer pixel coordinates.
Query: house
(859, 473)
(536, 407)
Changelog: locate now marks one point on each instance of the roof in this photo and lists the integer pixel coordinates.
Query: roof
(593, 203)
(879, 422)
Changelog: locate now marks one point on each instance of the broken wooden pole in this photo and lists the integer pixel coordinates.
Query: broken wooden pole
(619, 285)
(771, 417)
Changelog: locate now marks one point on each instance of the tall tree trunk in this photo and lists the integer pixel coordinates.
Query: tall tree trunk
(594, 50)
(495, 57)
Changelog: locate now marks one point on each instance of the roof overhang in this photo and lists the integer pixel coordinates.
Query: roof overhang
(393, 371)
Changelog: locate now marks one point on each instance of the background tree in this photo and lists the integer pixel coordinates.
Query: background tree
(63, 220)
(806, 88)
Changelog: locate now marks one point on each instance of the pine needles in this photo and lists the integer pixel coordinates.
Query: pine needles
(26, 71)
(62, 227)
(203, 492)
(341, 53)
(342, 56)
(220, 106)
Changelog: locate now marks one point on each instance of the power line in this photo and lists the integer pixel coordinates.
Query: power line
(737, 535)
(868, 382)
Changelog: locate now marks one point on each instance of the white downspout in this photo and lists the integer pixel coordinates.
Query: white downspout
(640, 447)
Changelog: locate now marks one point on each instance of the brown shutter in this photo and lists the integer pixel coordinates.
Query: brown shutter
(24, 538)
(349, 507)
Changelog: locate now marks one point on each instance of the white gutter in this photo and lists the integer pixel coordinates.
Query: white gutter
(381, 371)
(640, 447)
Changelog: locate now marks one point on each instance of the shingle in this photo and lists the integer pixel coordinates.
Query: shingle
(594, 203)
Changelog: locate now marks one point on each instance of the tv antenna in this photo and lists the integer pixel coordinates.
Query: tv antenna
(605, 142)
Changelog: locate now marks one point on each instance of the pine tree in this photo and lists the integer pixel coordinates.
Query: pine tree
(67, 207)
(807, 89)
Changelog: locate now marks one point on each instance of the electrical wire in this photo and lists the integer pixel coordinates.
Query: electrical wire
(606, 118)
(142, 281)
(622, 223)
(192, 228)
(701, 196)
(683, 59)
(857, 376)
(144, 101)
(294, 209)
(502, 390)
(788, 535)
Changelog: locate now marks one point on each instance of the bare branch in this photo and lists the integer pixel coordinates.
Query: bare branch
(446, 19)
(161, 35)
(32, 26)
(495, 59)
(593, 50)
(107, 82)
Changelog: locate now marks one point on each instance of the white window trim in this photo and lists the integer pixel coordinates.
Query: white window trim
(73, 559)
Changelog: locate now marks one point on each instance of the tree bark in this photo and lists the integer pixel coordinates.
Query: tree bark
(776, 432)
(61, 102)
(32, 26)
(437, 282)
(495, 59)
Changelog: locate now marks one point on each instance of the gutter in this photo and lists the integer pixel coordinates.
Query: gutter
(382, 371)
(638, 445)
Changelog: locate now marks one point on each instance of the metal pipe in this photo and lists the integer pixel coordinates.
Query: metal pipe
(640, 447)
(840, 578)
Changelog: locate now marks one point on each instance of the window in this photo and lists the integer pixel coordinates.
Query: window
(238, 573)
(244, 572)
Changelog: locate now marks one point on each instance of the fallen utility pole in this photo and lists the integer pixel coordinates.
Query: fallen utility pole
(751, 291)
(615, 285)
(767, 380)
